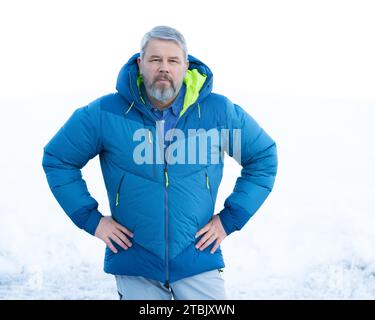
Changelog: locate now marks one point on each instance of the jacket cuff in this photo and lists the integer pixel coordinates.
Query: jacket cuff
(92, 222)
(227, 221)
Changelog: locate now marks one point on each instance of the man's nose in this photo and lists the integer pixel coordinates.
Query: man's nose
(164, 66)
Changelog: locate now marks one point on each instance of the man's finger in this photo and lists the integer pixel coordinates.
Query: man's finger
(207, 243)
(203, 230)
(110, 245)
(124, 230)
(217, 244)
(203, 239)
(123, 238)
(116, 239)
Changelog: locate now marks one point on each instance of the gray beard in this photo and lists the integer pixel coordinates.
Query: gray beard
(162, 94)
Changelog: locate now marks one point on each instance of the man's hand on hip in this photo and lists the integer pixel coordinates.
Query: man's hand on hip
(213, 231)
(109, 230)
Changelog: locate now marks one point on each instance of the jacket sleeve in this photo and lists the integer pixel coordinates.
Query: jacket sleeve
(256, 152)
(65, 155)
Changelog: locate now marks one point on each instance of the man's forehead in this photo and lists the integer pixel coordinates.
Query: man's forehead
(162, 48)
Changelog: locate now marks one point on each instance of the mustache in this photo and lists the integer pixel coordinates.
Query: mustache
(166, 77)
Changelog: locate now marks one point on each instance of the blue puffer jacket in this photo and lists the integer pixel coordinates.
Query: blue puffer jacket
(164, 205)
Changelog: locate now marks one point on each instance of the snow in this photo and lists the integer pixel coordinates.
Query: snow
(312, 239)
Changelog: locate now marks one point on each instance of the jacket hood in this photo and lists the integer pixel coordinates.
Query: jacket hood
(198, 81)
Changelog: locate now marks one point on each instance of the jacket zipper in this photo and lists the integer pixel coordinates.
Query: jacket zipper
(166, 183)
(166, 228)
(166, 180)
(117, 202)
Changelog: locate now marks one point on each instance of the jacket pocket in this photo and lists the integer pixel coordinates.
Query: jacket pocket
(209, 189)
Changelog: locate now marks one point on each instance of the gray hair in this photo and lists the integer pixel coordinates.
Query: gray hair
(164, 33)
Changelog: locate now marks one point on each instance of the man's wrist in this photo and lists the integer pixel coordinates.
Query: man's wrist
(93, 222)
(227, 221)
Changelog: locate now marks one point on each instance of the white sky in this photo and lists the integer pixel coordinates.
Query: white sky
(309, 48)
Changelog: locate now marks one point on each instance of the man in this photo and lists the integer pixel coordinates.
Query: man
(163, 238)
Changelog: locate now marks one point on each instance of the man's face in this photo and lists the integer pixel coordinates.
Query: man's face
(163, 68)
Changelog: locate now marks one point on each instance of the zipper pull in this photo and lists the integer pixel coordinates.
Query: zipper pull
(117, 197)
(207, 181)
(166, 177)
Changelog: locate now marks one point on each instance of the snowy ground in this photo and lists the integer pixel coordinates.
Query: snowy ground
(313, 238)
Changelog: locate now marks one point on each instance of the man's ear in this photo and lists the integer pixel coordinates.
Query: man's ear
(187, 64)
(139, 62)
